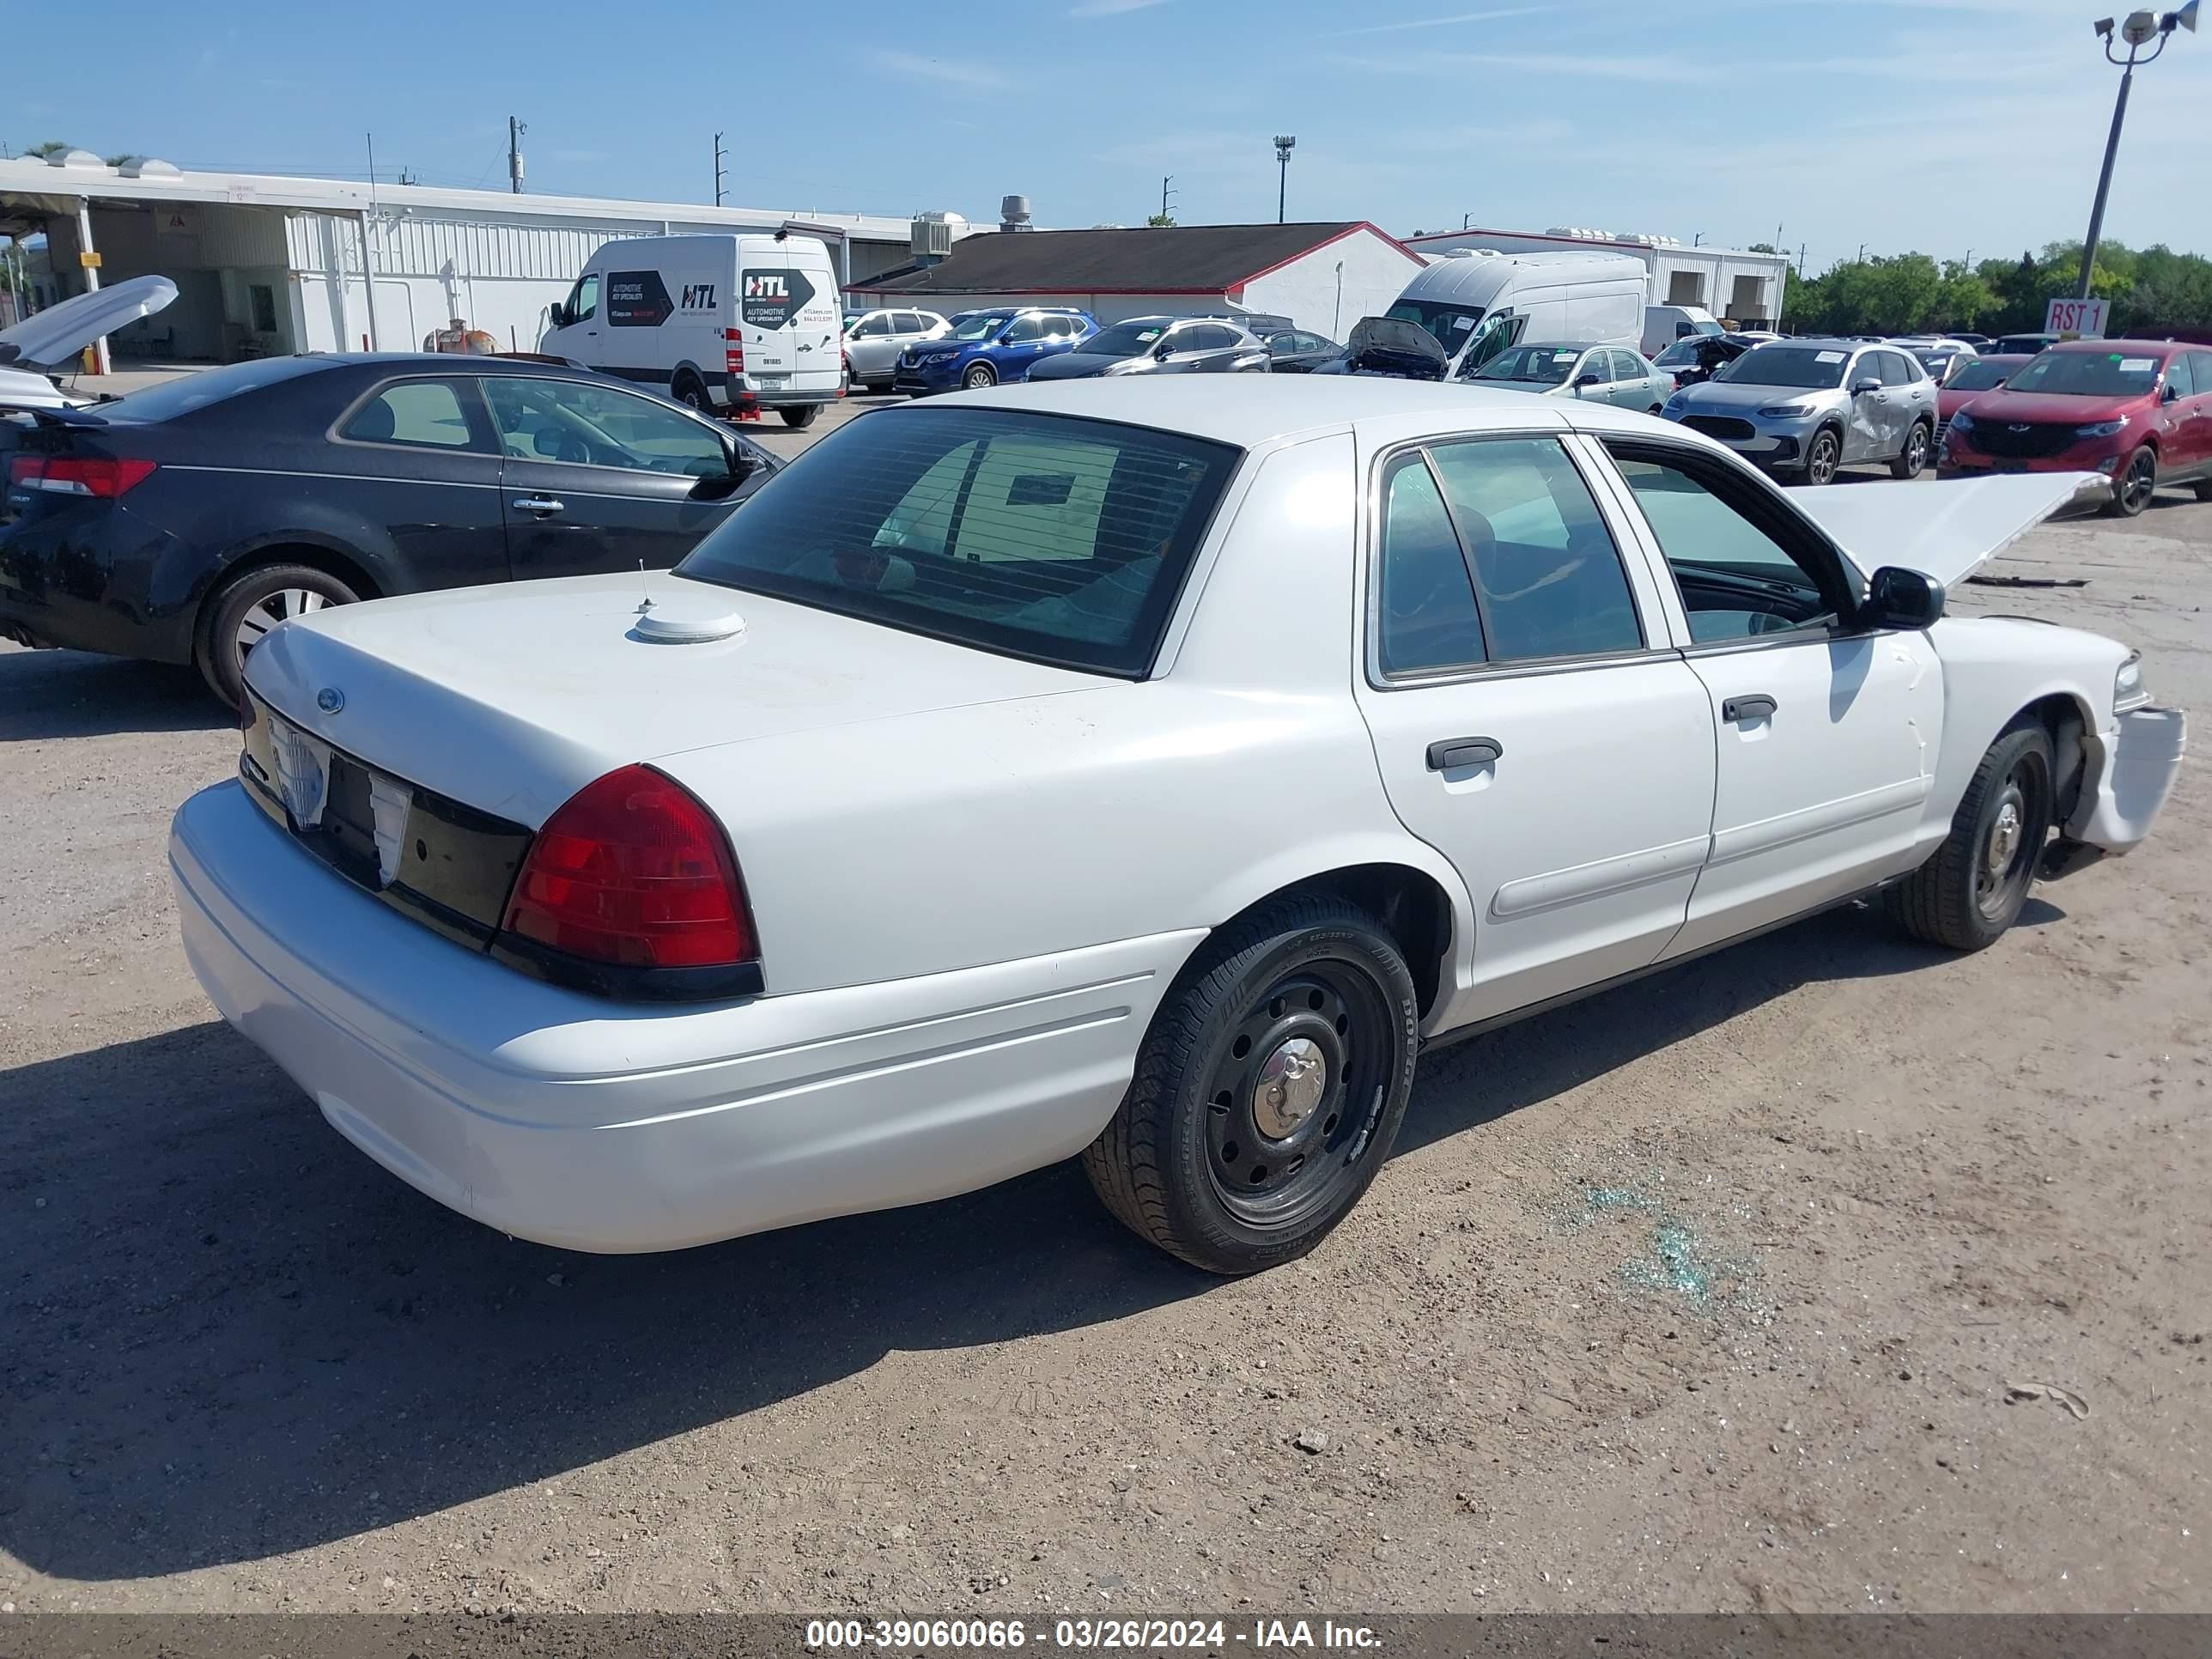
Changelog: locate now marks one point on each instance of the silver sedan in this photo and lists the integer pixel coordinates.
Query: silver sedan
(1603, 375)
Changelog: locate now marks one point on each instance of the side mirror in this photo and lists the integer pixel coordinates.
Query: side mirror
(2171, 395)
(1587, 379)
(1860, 388)
(1897, 598)
(560, 315)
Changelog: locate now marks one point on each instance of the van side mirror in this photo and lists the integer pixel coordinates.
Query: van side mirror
(1901, 598)
(559, 314)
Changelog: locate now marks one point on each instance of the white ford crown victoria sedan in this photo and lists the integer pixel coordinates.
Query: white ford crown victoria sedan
(1145, 769)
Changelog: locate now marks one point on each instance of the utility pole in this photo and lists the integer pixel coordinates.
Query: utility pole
(1861, 256)
(514, 131)
(1164, 193)
(1801, 260)
(717, 169)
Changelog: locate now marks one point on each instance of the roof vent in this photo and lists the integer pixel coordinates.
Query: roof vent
(77, 161)
(1014, 213)
(148, 166)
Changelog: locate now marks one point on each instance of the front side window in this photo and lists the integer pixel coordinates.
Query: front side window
(1544, 365)
(2181, 375)
(1022, 331)
(873, 328)
(1126, 340)
(424, 414)
(1032, 535)
(599, 426)
(584, 298)
(1738, 577)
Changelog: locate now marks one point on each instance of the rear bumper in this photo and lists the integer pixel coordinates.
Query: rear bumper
(613, 1127)
(85, 578)
(2140, 758)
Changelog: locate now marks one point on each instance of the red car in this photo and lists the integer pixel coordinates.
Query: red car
(1970, 378)
(2139, 411)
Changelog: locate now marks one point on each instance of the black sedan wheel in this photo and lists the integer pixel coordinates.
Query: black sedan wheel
(1267, 1092)
(239, 614)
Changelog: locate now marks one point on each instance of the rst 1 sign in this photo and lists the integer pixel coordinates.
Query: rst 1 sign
(2081, 317)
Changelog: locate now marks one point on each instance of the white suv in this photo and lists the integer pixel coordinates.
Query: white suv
(874, 340)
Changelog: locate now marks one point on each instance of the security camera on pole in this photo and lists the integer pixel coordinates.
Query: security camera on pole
(2141, 28)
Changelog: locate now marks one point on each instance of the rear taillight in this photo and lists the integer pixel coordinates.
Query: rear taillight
(635, 872)
(733, 352)
(78, 475)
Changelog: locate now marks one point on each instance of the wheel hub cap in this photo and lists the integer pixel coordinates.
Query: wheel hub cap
(1292, 1082)
(2004, 837)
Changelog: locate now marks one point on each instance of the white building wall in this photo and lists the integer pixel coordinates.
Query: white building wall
(1330, 288)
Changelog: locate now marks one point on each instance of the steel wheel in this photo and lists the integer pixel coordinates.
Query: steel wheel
(1295, 1093)
(281, 605)
(2005, 860)
(1822, 457)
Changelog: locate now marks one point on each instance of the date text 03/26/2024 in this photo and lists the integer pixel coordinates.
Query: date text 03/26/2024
(1083, 1635)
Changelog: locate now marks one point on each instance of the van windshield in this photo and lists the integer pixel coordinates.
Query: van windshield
(1047, 536)
(982, 326)
(1449, 321)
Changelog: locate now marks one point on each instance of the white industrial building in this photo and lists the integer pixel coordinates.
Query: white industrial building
(268, 266)
(1743, 287)
(1322, 277)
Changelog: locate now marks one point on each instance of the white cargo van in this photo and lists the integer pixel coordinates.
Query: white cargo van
(1477, 302)
(1664, 325)
(735, 322)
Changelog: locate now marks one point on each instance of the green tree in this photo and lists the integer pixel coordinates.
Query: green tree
(52, 147)
(1162, 221)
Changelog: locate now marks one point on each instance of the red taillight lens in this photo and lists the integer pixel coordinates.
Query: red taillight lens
(78, 475)
(633, 871)
(733, 352)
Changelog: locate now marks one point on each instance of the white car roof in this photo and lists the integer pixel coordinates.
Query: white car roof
(1252, 409)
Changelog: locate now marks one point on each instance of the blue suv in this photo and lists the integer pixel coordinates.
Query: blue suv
(986, 348)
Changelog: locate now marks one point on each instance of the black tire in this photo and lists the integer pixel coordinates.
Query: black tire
(689, 388)
(1824, 455)
(1655, 409)
(978, 376)
(1185, 1163)
(2203, 489)
(801, 415)
(250, 604)
(1912, 460)
(1972, 887)
(2134, 484)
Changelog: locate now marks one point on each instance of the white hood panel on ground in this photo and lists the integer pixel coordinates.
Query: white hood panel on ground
(1948, 530)
(57, 334)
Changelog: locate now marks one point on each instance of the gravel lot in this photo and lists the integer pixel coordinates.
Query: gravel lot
(1703, 1294)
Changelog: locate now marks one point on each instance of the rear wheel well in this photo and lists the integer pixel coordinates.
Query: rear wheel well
(1409, 903)
(354, 575)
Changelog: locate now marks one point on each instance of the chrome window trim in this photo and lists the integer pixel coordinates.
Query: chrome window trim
(715, 429)
(1371, 510)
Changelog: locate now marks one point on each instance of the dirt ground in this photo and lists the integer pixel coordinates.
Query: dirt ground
(1703, 1294)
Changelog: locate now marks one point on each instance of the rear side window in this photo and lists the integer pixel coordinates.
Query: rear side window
(1428, 619)
(2181, 376)
(426, 414)
(1038, 536)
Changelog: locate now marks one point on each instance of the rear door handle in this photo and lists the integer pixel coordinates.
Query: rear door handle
(1448, 752)
(540, 505)
(1758, 707)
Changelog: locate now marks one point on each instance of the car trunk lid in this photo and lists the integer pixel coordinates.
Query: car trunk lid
(52, 336)
(511, 698)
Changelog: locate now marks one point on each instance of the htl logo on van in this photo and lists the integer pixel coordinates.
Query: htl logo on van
(766, 285)
(698, 296)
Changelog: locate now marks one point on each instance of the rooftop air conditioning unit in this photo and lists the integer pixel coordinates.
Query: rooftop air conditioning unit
(931, 234)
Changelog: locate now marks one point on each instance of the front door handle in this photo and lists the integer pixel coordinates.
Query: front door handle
(1759, 707)
(1447, 753)
(541, 505)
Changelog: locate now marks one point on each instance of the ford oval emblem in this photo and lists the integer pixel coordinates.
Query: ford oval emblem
(330, 700)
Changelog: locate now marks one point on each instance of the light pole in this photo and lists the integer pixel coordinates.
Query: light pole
(1285, 143)
(2141, 28)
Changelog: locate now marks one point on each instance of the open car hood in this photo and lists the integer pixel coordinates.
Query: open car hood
(59, 332)
(1391, 345)
(1948, 530)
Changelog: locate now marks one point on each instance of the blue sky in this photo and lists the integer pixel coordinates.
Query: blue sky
(1944, 125)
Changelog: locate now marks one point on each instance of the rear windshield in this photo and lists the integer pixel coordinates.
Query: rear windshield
(1779, 365)
(1040, 536)
(187, 392)
(2089, 374)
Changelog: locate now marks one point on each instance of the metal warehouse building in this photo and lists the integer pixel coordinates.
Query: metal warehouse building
(267, 267)
(1744, 286)
(1322, 277)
